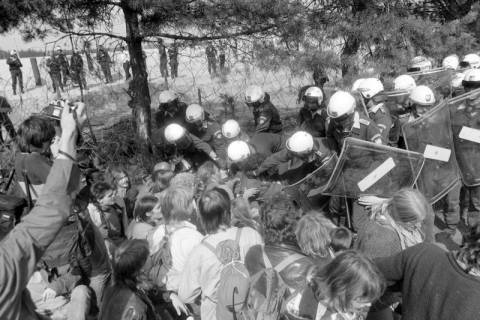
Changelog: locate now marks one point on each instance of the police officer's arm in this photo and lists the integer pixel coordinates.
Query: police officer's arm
(374, 134)
(384, 123)
(203, 146)
(273, 161)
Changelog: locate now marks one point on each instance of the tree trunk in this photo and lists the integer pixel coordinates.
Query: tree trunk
(138, 87)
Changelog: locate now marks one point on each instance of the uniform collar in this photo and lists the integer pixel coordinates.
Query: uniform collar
(376, 107)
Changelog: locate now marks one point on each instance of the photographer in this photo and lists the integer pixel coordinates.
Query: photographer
(15, 66)
(21, 249)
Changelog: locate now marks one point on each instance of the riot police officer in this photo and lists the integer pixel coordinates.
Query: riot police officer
(265, 115)
(451, 62)
(471, 60)
(205, 128)
(231, 131)
(15, 66)
(312, 117)
(345, 121)
(420, 63)
(371, 90)
(170, 109)
(78, 73)
(104, 60)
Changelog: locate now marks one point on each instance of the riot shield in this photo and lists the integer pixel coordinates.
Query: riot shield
(439, 80)
(312, 185)
(366, 168)
(360, 104)
(431, 135)
(465, 117)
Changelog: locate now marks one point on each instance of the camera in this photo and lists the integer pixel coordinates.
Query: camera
(55, 108)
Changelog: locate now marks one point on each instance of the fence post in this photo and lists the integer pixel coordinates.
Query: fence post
(36, 72)
(199, 92)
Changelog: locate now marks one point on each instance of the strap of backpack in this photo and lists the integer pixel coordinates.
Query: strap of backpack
(209, 247)
(237, 237)
(288, 261)
(27, 188)
(9, 181)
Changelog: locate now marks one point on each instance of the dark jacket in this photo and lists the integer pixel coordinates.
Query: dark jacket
(25, 244)
(121, 303)
(14, 63)
(266, 117)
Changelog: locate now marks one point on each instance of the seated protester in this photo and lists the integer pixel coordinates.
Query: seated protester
(204, 128)
(436, 284)
(188, 147)
(341, 240)
(34, 137)
(110, 219)
(26, 243)
(388, 226)
(343, 289)
(312, 117)
(313, 237)
(302, 155)
(141, 224)
(126, 299)
(126, 195)
(201, 274)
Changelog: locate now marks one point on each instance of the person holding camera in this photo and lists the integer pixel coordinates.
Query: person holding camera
(22, 248)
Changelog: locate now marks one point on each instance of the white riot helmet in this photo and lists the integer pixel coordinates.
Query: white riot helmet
(13, 52)
(58, 49)
(404, 82)
(194, 113)
(315, 94)
(423, 96)
(231, 129)
(254, 94)
(167, 96)
(451, 62)
(457, 80)
(472, 78)
(238, 151)
(471, 60)
(174, 132)
(300, 142)
(370, 87)
(420, 63)
(356, 84)
(341, 103)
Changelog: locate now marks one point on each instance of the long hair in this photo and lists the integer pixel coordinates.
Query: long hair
(144, 205)
(347, 278)
(128, 259)
(313, 234)
(409, 207)
(214, 207)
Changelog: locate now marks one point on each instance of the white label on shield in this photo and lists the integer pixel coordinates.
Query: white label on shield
(437, 153)
(470, 134)
(376, 174)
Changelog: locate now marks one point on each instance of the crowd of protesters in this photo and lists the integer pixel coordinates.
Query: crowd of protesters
(212, 234)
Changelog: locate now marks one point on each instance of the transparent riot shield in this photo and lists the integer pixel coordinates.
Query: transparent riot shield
(465, 117)
(431, 135)
(360, 104)
(366, 168)
(312, 185)
(438, 79)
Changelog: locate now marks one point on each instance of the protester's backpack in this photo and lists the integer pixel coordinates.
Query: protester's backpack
(73, 245)
(11, 208)
(159, 263)
(233, 287)
(268, 291)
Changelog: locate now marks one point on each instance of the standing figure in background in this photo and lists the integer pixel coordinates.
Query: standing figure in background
(221, 59)
(64, 68)
(78, 74)
(173, 56)
(104, 60)
(86, 50)
(211, 53)
(55, 73)
(15, 66)
(124, 59)
(162, 51)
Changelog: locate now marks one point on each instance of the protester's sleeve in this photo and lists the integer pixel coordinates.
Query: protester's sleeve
(26, 243)
(273, 161)
(190, 288)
